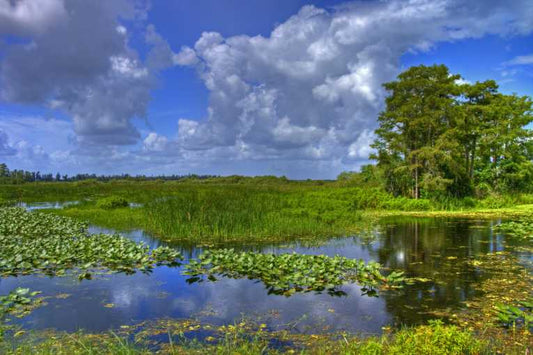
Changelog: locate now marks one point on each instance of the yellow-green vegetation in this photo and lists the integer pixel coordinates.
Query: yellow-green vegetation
(224, 211)
(111, 202)
(522, 228)
(517, 316)
(44, 243)
(285, 274)
(243, 338)
(241, 213)
(508, 286)
(18, 302)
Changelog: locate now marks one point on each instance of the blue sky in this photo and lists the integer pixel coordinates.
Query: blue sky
(230, 87)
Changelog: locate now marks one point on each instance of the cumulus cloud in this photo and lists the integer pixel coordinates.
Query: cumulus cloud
(74, 56)
(25, 17)
(303, 99)
(5, 147)
(312, 88)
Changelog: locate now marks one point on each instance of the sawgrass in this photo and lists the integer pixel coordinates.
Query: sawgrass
(248, 210)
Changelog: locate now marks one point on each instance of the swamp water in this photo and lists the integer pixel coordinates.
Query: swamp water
(435, 252)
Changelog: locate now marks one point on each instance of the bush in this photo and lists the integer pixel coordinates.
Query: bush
(417, 205)
(525, 199)
(6, 203)
(435, 338)
(496, 201)
(111, 202)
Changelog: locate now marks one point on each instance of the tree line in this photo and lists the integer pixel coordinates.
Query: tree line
(440, 135)
(22, 176)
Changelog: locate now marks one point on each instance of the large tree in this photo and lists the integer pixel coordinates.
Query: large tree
(417, 115)
(439, 135)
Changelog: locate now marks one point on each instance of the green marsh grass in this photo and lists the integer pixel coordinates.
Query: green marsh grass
(235, 213)
(247, 210)
(434, 338)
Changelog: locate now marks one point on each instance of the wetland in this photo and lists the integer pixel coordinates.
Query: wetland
(72, 271)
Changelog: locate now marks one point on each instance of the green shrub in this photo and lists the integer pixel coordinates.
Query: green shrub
(6, 203)
(435, 338)
(112, 202)
(525, 199)
(496, 201)
(417, 205)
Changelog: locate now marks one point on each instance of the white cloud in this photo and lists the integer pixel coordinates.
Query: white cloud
(5, 148)
(155, 142)
(186, 56)
(301, 101)
(29, 16)
(75, 57)
(462, 81)
(312, 89)
(521, 60)
(360, 149)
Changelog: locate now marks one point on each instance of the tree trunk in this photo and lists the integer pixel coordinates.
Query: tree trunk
(472, 159)
(415, 192)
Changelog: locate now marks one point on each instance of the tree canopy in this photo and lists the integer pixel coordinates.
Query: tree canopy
(440, 135)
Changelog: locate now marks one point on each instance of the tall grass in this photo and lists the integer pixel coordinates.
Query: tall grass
(227, 213)
(435, 338)
(243, 209)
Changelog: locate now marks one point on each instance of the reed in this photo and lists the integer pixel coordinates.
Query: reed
(250, 210)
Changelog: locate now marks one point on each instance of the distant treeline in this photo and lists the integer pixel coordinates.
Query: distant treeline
(15, 176)
(22, 176)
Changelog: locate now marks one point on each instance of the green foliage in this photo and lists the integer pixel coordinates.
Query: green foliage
(498, 201)
(44, 243)
(369, 176)
(18, 302)
(520, 315)
(441, 138)
(378, 199)
(435, 338)
(521, 228)
(5, 203)
(112, 202)
(285, 274)
(224, 213)
(78, 343)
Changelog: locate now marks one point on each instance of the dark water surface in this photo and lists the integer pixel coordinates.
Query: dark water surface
(433, 249)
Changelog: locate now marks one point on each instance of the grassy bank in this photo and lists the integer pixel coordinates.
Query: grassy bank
(218, 211)
(434, 338)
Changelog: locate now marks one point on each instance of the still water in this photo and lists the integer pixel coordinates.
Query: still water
(434, 250)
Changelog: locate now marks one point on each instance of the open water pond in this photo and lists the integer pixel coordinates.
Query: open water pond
(434, 251)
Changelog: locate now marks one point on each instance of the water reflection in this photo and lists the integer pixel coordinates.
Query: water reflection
(434, 250)
(33, 206)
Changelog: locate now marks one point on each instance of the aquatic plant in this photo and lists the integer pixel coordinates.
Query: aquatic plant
(286, 274)
(240, 338)
(6, 203)
(520, 315)
(42, 243)
(522, 228)
(18, 302)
